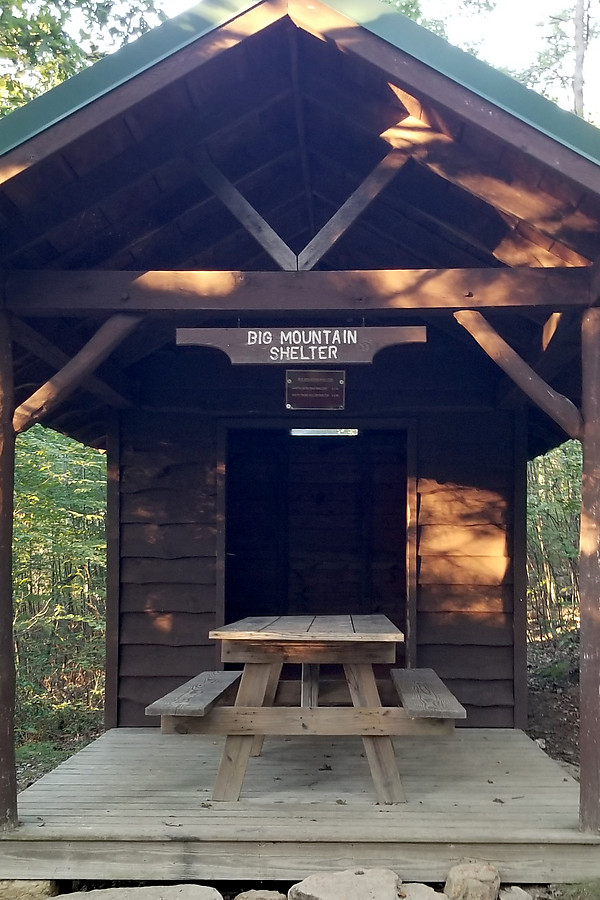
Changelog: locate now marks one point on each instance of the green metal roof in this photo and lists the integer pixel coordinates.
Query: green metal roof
(399, 31)
(116, 69)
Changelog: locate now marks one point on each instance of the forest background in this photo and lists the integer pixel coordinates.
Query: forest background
(59, 544)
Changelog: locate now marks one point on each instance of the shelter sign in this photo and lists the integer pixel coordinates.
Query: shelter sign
(331, 345)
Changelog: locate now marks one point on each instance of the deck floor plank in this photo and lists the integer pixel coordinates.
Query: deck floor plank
(136, 804)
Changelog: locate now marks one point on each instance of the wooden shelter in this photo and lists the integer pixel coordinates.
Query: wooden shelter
(309, 175)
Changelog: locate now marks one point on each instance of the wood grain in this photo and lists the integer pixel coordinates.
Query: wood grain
(196, 697)
(378, 721)
(424, 695)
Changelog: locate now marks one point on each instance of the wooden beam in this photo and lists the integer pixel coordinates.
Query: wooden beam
(589, 577)
(45, 292)
(371, 187)
(71, 376)
(8, 778)
(557, 406)
(245, 213)
(36, 343)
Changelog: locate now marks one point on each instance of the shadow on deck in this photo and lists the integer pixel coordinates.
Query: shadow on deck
(136, 805)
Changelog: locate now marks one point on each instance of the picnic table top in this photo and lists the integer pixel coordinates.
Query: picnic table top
(365, 628)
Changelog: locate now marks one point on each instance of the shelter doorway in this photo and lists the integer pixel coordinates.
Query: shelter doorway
(316, 524)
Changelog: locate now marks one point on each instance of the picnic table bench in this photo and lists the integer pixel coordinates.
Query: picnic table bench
(263, 645)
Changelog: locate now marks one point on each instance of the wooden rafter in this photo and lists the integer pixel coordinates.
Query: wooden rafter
(36, 343)
(338, 224)
(191, 199)
(556, 405)
(289, 218)
(361, 109)
(428, 239)
(44, 292)
(514, 249)
(71, 376)
(245, 213)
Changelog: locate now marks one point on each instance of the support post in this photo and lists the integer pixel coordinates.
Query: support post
(8, 778)
(589, 576)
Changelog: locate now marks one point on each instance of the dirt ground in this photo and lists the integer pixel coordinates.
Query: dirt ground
(553, 709)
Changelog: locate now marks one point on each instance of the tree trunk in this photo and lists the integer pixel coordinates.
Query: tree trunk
(580, 23)
(8, 781)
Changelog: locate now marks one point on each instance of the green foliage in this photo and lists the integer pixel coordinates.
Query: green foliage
(554, 499)
(557, 68)
(43, 42)
(58, 584)
(412, 10)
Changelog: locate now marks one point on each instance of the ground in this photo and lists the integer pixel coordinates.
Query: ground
(553, 719)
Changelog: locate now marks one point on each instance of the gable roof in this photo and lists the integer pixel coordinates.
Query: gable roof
(376, 17)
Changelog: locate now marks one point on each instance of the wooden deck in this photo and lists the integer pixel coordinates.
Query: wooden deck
(136, 804)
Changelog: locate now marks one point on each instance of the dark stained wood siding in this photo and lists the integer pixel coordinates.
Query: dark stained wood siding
(168, 535)
(168, 557)
(465, 572)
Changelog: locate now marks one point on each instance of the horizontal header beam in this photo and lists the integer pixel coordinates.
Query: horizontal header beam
(78, 292)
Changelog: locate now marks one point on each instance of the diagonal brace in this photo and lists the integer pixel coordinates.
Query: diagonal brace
(351, 209)
(72, 375)
(556, 405)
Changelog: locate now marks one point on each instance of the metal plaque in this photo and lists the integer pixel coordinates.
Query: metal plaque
(315, 389)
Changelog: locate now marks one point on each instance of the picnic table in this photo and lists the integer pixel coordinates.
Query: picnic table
(263, 644)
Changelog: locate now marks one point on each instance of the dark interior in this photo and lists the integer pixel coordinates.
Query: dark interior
(316, 524)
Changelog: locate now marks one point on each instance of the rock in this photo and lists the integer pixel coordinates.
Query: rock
(262, 895)
(351, 884)
(423, 892)
(27, 890)
(154, 892)
(515, 893)
(472, 881)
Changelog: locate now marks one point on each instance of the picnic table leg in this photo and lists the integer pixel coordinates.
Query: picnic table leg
(276, 668)
(237, 749)
(379, 750)
(309, 688)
